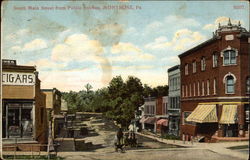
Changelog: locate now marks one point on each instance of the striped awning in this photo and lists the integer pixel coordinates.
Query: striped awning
(142, 120)
(229, 114)
(163, 122)
(203, 114)
(150, 120)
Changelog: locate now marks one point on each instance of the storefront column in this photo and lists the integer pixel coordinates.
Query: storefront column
(33, 119)
(241, 120)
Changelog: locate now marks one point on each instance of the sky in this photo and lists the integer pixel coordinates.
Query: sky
(73, 43)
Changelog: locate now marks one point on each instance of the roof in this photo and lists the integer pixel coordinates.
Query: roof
(174, 68)
(199, 46)
(11, 65)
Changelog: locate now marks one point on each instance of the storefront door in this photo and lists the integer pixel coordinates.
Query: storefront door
(231, 130)
(14, 129)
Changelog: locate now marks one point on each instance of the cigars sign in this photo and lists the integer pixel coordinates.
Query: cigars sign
(14, 78)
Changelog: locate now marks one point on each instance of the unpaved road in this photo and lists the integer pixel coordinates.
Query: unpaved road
(103, 132)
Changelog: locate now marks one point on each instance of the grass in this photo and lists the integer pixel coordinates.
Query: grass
(239, 147)
(52, 157)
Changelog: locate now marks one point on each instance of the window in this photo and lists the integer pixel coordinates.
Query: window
(202, 88)
(183, 91)
(215, 86)
(230, 84)
(208, 89)
(185, 115)
(194, 89)
(203, 64)
(190, 91)
(194, 67)
(186, 90)
(186, 69)
(215, 60)
(229, 56)
(248, 85)
(198, 87)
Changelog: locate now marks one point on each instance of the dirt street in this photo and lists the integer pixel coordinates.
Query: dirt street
(103, 133)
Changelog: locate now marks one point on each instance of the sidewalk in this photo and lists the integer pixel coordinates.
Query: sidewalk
(220, 147)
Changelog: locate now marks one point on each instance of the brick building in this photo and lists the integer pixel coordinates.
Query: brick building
(174, 99)
(154, 113)
(23, 105)
(215, 86)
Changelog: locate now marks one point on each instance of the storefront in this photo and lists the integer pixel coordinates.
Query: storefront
(22, 104)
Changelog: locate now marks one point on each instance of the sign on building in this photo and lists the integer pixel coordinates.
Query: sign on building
(14, 78)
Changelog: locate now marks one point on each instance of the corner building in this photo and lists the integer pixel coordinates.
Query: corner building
(24, 116)
(215, 87)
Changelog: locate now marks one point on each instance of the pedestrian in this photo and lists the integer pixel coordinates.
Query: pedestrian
(119, 136)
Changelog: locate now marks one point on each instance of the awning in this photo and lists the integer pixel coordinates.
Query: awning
(203, 114)
(150, 120)
(229, 114)
(163, 122)
(142, 120)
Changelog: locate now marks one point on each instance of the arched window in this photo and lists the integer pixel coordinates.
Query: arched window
(230, 84)
(229, 56)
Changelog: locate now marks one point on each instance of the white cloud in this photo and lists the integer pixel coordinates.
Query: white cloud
(77, 47)
(183, 39)
(36, 44)
(158, 44)
(171, 21)
(223, 21)
(129, 52)
(33, 45)
(46, 64)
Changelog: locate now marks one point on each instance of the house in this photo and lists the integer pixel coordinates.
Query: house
(53, 108)
(215, 86)
(23, 107)
(174, 99)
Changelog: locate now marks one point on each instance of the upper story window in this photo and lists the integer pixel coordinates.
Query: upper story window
(194, 66)
(194, 89)
(198, 89)
(248, 85)
(215, 60)
(215, 86)
(229, 56)
(208, 87)
(203, 64)
(203, 88)
(229, 81)
(186, 69)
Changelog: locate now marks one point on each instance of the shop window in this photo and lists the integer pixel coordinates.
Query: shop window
(248, 85)
(185, 115)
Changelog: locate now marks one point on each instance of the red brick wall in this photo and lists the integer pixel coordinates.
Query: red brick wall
(159, 106)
